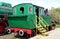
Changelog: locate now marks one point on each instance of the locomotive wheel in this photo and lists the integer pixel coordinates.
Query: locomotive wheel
(21, 33)
(49, 28)
(8, 31)
(34, 32)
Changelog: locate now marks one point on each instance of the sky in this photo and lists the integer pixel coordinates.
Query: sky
(44, 3)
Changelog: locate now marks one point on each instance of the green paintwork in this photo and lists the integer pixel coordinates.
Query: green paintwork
(27, 19)
(23, 20)
(5, 4)
(44, 18)
(47, 19)
(5, 8)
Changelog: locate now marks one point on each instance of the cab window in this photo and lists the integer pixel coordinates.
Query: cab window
(30, 9)
(22, 10)
(14, 10)
(42, 12)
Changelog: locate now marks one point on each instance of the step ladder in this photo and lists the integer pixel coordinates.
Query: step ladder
(40, 29)
(43, 23)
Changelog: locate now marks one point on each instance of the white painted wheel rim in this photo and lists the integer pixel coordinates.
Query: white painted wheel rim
(21, 33)
(8, 31)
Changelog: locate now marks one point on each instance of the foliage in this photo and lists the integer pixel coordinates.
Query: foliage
(57, 9)
(55, 14)
(57, 25)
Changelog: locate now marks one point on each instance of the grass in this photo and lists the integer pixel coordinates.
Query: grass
(57, 25)
(14, 38)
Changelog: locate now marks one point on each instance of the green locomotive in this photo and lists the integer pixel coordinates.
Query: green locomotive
(25, 18)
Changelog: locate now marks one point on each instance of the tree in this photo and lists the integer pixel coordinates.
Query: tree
(55, 14)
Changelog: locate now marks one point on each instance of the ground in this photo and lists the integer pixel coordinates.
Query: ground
(54, 34)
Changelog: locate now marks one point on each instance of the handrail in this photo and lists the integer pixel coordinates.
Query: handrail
(44, 21)
(41, 22)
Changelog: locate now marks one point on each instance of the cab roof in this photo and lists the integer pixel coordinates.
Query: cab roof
(29, 4)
